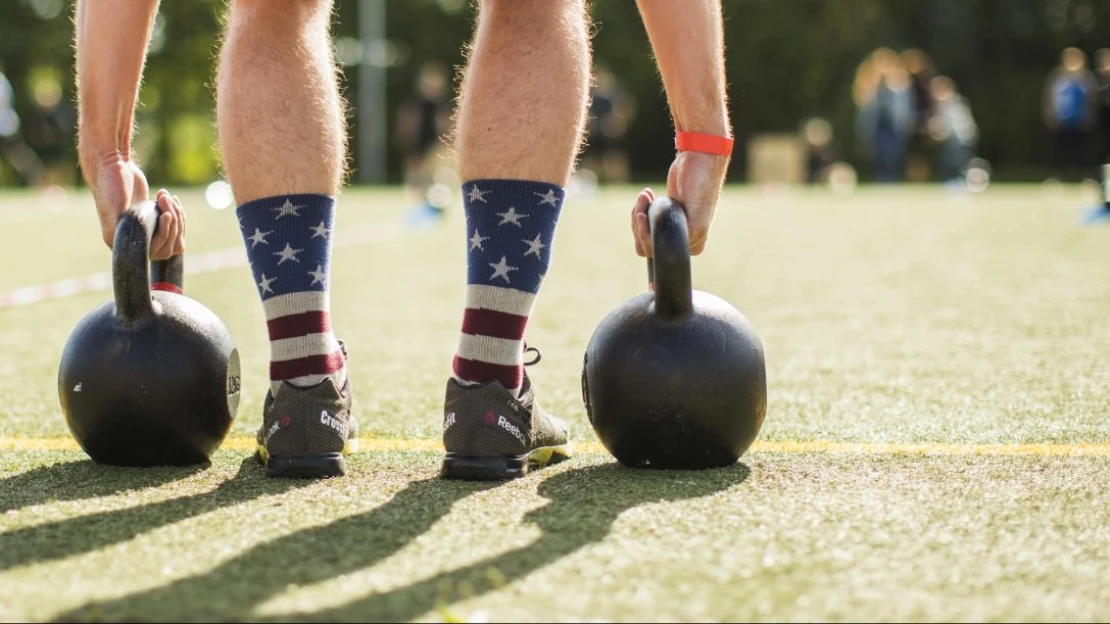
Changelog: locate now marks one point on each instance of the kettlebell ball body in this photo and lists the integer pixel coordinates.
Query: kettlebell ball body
(686, 395)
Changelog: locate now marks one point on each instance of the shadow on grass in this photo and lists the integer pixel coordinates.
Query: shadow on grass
(584, 504)
(80, 480)
(64, 538)
(233, 590)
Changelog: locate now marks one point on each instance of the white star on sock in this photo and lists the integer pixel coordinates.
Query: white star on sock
(548, 198)
(288, 254)
(259, 237)
(318, 276)
(477, 195)
(512, 216)
(535, 246)
(320, 231)
(477, 240)
(265, 284)
(286, 210)
(501, 269)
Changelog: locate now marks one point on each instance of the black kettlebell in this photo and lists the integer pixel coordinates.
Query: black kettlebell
(674, 379)
(151, 378)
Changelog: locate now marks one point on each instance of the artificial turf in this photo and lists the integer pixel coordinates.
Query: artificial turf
(888, 316)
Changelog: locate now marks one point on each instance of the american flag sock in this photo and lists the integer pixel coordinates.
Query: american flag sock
(288, 241)
(510, 225)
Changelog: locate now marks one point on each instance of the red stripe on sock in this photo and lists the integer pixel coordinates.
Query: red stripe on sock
(482, 372)
(296, 325)
(478, 322)
(314, 365)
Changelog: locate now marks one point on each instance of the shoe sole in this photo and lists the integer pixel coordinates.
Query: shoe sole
(485, 468)
(304, 467)
(312, 467)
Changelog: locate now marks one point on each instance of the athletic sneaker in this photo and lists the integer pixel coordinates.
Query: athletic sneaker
(490, 435)
(307, 431)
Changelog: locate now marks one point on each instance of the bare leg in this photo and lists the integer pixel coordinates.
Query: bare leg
(280, 114)
(521, 115)
(283, 138)
(523, 101)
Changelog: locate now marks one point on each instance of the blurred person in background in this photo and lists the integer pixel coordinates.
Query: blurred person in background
(13, 148)
(817, 135)
(422, 122)
(885, 114)
(920, 69)
(954, 129)
(1102, 60)
(612, 109)
(50, 131)
(1069, 112)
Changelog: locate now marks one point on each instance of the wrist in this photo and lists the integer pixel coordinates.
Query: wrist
(93, 154)
(103, 135)
(714, 122)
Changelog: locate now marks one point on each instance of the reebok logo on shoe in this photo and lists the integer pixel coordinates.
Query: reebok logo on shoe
(511, 428)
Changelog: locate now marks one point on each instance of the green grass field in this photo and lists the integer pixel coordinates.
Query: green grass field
(937, 444)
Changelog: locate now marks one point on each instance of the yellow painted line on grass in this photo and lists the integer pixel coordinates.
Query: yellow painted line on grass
(1079, 449)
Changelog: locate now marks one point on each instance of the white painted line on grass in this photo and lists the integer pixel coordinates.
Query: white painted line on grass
(207, 262)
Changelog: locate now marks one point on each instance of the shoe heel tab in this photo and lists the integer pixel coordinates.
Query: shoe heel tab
(327, 384)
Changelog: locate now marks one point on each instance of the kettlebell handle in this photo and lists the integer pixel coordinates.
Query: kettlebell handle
(669, 267)
(131, 273)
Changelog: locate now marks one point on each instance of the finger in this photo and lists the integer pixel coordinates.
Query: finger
(639, 209)
(635, 234)
(179, 206)
(162, 243)
(175, 206)
(636, 238)
(697, 245)
(108, 233)
(179, 241)
(643, 234)
(163, 233)
(632, 227)
(175, 233)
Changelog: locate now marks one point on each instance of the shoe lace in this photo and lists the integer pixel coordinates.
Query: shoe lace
(534, 350)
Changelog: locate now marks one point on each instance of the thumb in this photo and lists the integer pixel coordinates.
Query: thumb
(673, 175)
(140, 190)
(108, 233)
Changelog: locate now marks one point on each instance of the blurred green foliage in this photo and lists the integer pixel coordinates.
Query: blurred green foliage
(787, 60)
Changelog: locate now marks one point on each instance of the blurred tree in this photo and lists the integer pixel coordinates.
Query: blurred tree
(787, 60)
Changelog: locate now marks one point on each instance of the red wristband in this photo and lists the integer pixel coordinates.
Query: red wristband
(704, 143)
